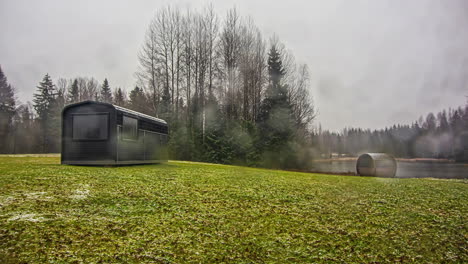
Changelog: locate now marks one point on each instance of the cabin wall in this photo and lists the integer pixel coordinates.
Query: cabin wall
(148, 146)
(84, 151)
(155, 146)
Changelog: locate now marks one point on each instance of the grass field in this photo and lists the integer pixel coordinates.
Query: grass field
(183, 212)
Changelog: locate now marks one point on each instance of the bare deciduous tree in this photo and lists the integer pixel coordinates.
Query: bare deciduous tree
(229, 48)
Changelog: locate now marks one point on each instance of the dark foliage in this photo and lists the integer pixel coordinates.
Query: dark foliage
(106, 93)
(7, 111)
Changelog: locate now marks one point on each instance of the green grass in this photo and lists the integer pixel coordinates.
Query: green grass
(183, 212)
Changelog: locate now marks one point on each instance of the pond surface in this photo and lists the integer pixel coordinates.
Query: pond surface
(404, 169)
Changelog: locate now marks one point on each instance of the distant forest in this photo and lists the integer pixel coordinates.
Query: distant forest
(442, 136)
(229, 96)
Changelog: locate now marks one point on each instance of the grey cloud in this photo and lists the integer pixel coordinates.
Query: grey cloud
(373, 62)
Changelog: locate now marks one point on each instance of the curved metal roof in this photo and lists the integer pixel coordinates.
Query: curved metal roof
(119, 108)
(125, 110)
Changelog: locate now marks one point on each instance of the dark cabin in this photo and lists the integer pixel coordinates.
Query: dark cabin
(95, 133)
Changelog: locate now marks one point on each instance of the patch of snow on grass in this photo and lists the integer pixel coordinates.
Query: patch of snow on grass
(23, 197)
(36, 195)
(27, 217)
(4, 201)
(80, 194)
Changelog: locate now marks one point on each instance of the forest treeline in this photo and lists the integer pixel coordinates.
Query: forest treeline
(229, 96)
(442, 136)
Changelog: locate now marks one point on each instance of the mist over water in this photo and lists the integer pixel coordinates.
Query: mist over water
(405, 169)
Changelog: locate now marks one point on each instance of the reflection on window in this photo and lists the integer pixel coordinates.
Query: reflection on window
(90, 126)
(130, 128)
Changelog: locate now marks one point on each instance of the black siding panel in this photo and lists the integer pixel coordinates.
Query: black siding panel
(131, 149)
(73, 150)
(149, 146)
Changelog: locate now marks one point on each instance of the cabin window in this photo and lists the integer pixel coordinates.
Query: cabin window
(90, 126)
(129, 128)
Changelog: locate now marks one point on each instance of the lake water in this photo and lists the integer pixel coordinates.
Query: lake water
(404, 169)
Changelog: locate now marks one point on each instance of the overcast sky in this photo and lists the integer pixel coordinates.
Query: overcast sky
(373, 63)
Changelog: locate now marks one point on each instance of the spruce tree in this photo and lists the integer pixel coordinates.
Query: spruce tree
(138, 100)
(119, 97)
(276, 93)
(465, 118)
(456, 122)
(106, 93)
(7, 96)
(276, 73)
(7, 111)
(443, 122)
(73, 93)
(275, 120)
(44, 101)
(44, 97)
(430, 123)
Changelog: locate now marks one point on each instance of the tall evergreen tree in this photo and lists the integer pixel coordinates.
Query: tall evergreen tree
(443, 121)
(7, 111)
(119, 97)
(73, 95)
(465, 118)
(44, 97)
(430, 123)
(275, 120)
(138, 100)
(276, 73)
(456, 121)
(106, 93)
(276, 93)
(44, 101)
